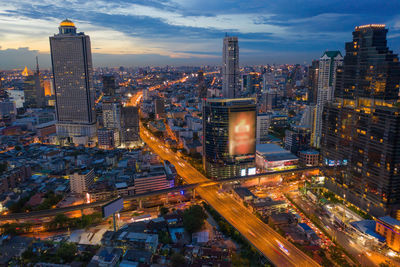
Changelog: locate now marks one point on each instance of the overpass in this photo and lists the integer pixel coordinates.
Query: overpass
(53, 212)
(266, 174)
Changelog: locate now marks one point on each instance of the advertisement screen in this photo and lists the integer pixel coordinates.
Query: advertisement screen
(242, 133)
(112, 207)
(252, 171)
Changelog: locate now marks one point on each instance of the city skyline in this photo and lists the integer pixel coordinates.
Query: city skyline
(186, 33)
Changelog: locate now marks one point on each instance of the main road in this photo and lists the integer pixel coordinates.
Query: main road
(272, 245)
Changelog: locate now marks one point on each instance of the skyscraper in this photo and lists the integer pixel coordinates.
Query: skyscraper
(328, 64)
(111, 113)
(109, 85)
(360, 144)
(201, 84)
(229, 133)
(33, 89)
(130, 125)
(230, 67)
(71, 59)
(313, 82)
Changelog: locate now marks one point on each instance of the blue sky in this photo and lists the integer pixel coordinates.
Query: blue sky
(179, 32)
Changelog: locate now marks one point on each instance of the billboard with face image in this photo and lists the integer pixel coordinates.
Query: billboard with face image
(242, 133)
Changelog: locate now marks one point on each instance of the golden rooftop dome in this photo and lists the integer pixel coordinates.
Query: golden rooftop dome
(67, 23)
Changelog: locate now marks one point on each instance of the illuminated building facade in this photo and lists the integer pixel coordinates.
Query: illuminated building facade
(361, 127)
(229, 137)
(328, 64)
(33, 90)
(230, 67)
(71, 59)
(313, 82)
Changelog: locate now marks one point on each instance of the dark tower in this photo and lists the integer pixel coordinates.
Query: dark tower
(360, 145)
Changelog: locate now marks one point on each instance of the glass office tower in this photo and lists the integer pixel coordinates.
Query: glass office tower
(229, 137)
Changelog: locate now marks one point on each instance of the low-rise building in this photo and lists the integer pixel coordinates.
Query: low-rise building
(267, 206)
(107, 257)
(389, 228)
(309, 157)
(271, 157)
(242, 194)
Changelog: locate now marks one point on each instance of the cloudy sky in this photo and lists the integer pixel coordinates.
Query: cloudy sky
(178, 32)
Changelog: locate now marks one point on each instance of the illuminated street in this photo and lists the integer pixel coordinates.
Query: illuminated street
(258, 233)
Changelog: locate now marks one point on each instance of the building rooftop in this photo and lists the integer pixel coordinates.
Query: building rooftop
(67, 23)
(273, 152)
(389, 220)
(368, 227)
(310, 152)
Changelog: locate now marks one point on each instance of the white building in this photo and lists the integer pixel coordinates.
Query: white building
(80, 181)
(328, 64)
(17, 96)
(271, 157)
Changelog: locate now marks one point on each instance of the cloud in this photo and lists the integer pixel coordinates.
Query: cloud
(190, 30)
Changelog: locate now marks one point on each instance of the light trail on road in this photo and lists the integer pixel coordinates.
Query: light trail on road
(272, 245)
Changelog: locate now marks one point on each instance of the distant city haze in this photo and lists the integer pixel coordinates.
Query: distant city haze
(132, 33)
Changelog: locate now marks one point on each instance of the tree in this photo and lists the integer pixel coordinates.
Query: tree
(59, 221)
(178, 260)
(3, 167)
(67, 251)
(164, 211)
(193, 218)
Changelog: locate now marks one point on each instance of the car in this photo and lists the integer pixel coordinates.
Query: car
(282, 247)
(250, 232)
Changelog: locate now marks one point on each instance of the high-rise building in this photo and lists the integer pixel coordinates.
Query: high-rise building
(111, 114)
(33, 90)
(201, 84)
(262, 129)
(297, 138)
(251, 82)
(328, 64)
(81, 181)
(159, 107)
(107, 138)
(230, 67)
(313, 71)
(229, 133)
(271, 100)
(8, 111)
(146, 94)
(71, 59)
(361, 127)
(109, 85)
(130, 125)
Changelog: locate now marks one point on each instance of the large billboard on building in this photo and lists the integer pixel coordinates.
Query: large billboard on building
(242, 133)
(112, 207)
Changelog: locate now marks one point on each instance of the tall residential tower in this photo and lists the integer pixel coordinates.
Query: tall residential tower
(230, 67)
(328, 64)
(71, 59)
